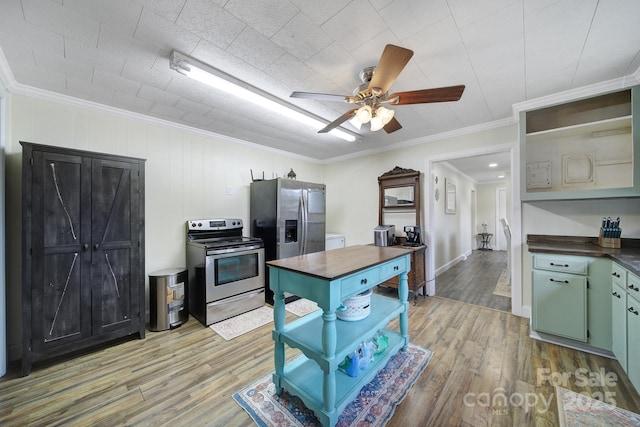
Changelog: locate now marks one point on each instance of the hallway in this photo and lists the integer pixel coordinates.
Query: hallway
(474, 280)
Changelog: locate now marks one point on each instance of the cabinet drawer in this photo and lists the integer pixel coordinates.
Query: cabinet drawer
(618, 274)
(561, 263)
(633, 285)
(393, 268)
(359, 282)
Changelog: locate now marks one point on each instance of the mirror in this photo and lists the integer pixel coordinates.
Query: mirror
(399, 196)
(450, 197)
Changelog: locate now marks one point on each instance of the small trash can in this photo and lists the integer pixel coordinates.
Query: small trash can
(168, 299)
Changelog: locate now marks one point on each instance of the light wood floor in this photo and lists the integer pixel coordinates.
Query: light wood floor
(186, 377)
(474, 280)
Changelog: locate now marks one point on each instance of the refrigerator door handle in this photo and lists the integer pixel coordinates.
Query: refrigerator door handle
(303, 213)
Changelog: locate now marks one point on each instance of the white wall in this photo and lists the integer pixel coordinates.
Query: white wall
(452, 242)
(187, 174)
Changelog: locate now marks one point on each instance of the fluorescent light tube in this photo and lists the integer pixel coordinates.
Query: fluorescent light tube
(185, 65)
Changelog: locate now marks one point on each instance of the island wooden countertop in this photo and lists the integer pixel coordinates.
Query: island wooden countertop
(628, 255)
(336, 263)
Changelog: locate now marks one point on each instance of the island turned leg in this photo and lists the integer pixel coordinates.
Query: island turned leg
(329, 348)
(403, 293)
(278, 320)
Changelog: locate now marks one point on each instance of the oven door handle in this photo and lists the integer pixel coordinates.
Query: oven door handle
(238, 297)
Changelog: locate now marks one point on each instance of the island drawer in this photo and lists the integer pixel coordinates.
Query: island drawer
(360, 282)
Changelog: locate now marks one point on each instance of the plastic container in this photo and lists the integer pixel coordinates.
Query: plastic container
(355, 308)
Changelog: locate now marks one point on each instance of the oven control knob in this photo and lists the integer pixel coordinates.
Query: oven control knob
(199, 224)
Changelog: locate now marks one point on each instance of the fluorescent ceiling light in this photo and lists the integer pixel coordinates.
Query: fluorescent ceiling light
(217, 79)
(493, 165)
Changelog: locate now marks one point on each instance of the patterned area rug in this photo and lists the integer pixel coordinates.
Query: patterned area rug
(503, 287)
(236, 326)
(374, 406)
(301, 307)
(576, 409)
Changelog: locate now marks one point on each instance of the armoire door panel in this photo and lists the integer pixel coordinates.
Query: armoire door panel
(61, 298)
(113, 293)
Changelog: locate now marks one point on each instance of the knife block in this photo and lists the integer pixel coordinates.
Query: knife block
(608, 242)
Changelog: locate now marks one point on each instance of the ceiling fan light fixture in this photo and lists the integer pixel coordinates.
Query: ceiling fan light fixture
(219, 80)
(385, 114)
(364, 114)
(376, 123)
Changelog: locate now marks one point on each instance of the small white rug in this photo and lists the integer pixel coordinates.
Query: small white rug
(243, 323)
(301, 307)
(503, 287)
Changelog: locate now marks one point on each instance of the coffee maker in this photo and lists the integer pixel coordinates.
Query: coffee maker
(414, 235)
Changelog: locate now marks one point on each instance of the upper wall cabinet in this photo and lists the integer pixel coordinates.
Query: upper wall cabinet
(588, 148)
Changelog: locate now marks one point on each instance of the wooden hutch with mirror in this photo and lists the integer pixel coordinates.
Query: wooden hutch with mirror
(399, 204)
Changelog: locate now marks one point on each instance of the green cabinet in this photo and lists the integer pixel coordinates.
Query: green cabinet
(633, 340)
(619, 324)
(625, 321)
(587, 148)
(571, 298)
(560, 304)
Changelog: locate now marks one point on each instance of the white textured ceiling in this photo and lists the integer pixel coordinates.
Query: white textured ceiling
(116, 53)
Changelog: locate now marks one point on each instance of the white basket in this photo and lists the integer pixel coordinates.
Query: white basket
(355, 308)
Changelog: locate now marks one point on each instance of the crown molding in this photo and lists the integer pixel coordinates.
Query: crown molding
(427, 139)
(15, 88)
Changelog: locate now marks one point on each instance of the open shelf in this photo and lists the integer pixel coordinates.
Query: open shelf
(304, 378)
(304, 333)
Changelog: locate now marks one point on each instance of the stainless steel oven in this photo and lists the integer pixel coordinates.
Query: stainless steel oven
(226, 270)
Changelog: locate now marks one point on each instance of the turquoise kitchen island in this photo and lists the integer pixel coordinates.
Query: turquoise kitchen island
(328, 278)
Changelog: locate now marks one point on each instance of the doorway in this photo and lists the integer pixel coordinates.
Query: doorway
(507, 199)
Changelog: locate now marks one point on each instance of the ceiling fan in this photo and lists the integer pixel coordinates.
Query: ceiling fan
(373, 94)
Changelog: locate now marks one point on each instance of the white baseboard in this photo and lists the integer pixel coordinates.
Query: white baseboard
(453, 262)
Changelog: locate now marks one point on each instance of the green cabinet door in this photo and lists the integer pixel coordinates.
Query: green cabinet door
(633, 341)
(560, 304)
(619, 324)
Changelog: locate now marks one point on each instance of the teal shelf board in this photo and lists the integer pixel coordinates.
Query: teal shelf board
(304, 378)
(305, 333)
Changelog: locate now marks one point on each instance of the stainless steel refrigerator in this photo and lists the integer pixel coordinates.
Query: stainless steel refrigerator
(289, 216)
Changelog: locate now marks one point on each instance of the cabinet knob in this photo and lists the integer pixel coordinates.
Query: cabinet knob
(633, 311)
(363, 281)
(614, 274)
(396, 268)
(96, 246)
(615, 294)
(634, 288)
(85, 246)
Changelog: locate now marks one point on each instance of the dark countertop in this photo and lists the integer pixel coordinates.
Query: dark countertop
(627, 256)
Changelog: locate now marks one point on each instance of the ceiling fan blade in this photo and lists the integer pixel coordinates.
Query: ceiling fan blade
(441, 94)
(322, 96)
(337, 122)
(392, 62)
(392, 126)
